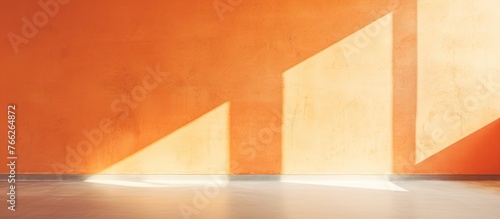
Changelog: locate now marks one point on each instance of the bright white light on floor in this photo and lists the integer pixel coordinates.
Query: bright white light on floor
(124, 183)
(363, 184)
(181, 182)
(154, 181)
(151, 183)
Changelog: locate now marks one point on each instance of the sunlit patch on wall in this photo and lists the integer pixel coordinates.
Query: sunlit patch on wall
(199, 147)
(337, 112)
(458, 71)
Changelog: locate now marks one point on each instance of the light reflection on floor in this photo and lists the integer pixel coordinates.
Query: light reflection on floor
(245, 199)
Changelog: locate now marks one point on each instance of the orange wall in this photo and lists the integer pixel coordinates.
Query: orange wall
(75, 74)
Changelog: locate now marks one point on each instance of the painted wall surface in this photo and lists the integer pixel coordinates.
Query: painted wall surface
(336, 96)
(251, 87)
(458, 79)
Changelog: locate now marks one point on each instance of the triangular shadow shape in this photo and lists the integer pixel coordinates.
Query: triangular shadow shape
(478, 153)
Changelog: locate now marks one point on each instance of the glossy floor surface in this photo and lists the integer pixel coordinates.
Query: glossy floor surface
(255, 199)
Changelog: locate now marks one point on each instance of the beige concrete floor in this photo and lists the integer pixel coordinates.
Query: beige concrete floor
(254, 199)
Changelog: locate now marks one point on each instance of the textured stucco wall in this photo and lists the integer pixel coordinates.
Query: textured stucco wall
(335, 97)
(458, 71)
(251, 87)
